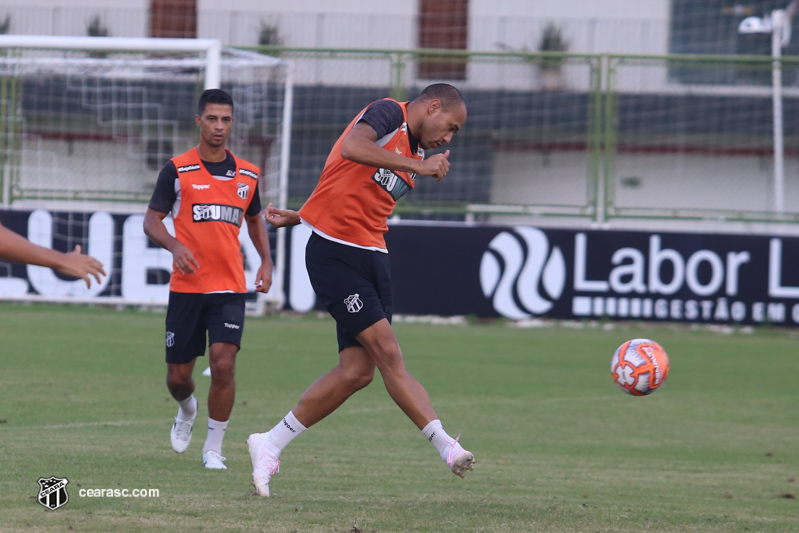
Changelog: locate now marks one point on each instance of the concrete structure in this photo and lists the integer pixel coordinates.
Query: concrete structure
(627, 26)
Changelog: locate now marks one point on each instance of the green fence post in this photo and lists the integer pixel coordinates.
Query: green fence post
(595, 195)
(398, 90)
(611, 121)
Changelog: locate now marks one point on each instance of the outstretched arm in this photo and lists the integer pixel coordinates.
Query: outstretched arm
(16, 248)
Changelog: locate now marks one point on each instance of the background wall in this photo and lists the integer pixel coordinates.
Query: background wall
(613, 26)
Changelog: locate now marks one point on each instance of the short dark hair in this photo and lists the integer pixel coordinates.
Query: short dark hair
(213, 96)
(448, 95)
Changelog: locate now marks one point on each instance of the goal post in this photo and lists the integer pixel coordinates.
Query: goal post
(87, 123)
(211, 47)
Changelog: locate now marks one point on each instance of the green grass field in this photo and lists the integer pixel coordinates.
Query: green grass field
(559, 447)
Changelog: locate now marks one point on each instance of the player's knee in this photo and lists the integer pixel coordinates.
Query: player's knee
(223, 367)
(357, 374)
(356, 379)
(178, 378)
(387, 355)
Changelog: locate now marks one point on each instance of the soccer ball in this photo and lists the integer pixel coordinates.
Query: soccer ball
(639, 367)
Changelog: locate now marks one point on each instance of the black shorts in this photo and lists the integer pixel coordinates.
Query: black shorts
(353, 284)
(189, 316)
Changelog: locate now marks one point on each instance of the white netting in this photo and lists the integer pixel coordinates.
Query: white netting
(93, 125)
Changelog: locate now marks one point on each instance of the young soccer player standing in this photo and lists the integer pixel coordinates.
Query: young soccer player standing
(209, 192)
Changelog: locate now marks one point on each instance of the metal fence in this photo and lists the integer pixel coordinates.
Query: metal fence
(593, 138)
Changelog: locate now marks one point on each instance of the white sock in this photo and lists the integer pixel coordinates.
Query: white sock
(435, 433)
(284, 432)
(216, 432)
(188, 407)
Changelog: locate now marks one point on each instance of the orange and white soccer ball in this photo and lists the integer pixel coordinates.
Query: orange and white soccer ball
(639, 367)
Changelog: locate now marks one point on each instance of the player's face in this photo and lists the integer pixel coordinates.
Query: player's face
(440, 125)
(215, 124)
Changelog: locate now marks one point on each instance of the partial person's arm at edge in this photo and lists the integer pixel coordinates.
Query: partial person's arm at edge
(256, 227)
(16, 248)
(281, 218)
(360, 146)
(181, 255)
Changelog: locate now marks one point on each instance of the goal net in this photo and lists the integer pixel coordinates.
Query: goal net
(96, 119)
(86, 124)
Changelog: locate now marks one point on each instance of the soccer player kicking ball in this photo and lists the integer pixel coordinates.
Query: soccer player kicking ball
(371, 166)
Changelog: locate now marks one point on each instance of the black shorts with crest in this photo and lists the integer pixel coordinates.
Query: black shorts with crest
(353, 284)
(190, 316)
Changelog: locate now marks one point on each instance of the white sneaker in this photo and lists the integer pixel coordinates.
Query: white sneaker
(264, 464)
(213, 460)
(458, 459)
(181, 431)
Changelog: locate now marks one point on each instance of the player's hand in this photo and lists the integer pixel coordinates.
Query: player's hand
(77, 265)
(263, 278)
(437, 166)
(281, 218)
(184, 260)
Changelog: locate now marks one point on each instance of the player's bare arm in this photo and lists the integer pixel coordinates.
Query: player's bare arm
(281, 218)
(181, 255)
(360, 146)
(16, 248)
(256, 227)
(78, 265)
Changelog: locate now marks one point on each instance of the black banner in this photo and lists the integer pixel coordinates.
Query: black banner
(519, 272)
(525, 272)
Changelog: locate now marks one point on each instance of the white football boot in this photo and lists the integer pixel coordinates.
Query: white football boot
(458, 459)
(181, 431)
(213, 460)
(264, 464)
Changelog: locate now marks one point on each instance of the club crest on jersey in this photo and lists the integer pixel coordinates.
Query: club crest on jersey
(53, 492)
(353, 303)
(217, 213)
(391, 183)
(244, 190)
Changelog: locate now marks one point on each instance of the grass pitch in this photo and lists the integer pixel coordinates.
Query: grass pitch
(559, 448)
